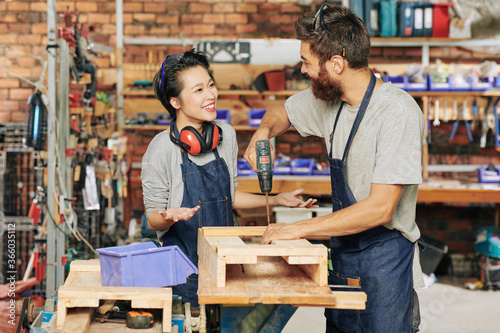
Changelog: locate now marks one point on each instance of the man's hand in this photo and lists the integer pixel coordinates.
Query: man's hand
(178, 213)
(291, 199)
(251, 155)
(283, 231)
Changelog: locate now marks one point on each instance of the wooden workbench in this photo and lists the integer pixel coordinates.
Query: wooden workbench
(320, 185)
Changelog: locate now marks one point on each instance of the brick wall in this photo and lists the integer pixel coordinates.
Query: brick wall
(23, 41)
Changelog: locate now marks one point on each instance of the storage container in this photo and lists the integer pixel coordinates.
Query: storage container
(488, 241)
(255, 117)
(481, 85)
(223, 115)
(302, 166)
(434, 251)
(244, 168)
(282, 167)
(144, 265)
(488, 174)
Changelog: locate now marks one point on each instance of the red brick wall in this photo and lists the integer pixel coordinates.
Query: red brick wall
(23, 41)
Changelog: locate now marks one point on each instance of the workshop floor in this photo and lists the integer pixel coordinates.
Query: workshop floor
(445, 307)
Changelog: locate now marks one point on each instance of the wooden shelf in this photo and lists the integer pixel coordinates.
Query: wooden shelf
(237, 128)
(150, 92)
(320, 185)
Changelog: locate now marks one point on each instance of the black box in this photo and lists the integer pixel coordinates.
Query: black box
(432, 254)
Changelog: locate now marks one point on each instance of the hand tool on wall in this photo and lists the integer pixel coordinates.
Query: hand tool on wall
(461, 117)
(436, 121)
(265, 170)
(475, 115)
(445, 119)
(497, 124)
(488, 122)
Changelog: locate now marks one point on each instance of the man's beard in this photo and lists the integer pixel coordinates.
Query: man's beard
(325, 88)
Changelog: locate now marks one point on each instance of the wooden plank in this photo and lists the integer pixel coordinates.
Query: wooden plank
(91, 265)
(113, 293)
(232, 231)
(78, 320)
(234, 292)
(215, 266)
(272, 250)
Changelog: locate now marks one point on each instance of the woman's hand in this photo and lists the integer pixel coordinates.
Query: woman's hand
(178, 213)
(292, 199)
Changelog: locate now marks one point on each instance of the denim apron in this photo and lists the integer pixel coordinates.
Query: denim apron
(209, 187)
(377, 260)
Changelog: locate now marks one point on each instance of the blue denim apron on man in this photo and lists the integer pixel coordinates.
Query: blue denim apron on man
(209, 187)
(377, 260)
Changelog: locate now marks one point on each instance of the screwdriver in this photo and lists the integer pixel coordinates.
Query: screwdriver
(264, 170)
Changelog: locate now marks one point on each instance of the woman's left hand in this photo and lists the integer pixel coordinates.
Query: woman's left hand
(292, 199)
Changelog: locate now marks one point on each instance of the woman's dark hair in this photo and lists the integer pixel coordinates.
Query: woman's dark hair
(167, 83)
(341, 29)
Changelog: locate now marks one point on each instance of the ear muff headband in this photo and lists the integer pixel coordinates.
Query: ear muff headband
(193, 142)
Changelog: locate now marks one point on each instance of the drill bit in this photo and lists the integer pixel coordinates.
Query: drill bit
(267, 208)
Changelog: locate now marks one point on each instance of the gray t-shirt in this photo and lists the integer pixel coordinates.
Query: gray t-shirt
(386, 149)
(161, 175)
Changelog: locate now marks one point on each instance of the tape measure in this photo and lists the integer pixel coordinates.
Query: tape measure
(139, 319)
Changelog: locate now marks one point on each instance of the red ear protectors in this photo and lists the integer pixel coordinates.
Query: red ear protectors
(193, 142)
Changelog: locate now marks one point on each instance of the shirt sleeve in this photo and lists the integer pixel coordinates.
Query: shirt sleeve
(155, 185)
(399, 149)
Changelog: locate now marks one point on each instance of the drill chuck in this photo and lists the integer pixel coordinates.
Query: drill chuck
(264, 165)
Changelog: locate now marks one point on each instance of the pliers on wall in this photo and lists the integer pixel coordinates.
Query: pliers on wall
(462, 111)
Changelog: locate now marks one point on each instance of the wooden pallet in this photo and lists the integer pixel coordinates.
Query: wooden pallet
(220, 246)
(285, 272)
(83, 289)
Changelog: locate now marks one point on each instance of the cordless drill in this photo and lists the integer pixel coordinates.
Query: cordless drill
(265, 170)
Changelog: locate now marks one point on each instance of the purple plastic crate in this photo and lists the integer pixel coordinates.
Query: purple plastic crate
(438, 86)
(144, 265)
(398, 81)
(282, 167)
(224, 115)
(488, 176)
(255, 116)
(403, 82)
(416, 86)
(482, 85)
(244, 169)
(496, 82)
(302, 166)
(466, 86)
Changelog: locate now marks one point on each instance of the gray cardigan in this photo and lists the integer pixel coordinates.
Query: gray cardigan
(162, 184)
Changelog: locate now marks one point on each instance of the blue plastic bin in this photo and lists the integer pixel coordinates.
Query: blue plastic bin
(144, 265)
(163, 119)
(488, 176)
(255, 117)
(460, 87)
(302, 166)
(282, 167)
(224, 115)
(416, 86)
(496, 82)
(244, 169)
(398, 81)
(482, 85)
(438, 86)
(403, 82)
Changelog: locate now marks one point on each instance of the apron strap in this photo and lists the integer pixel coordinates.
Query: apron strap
(359, 116)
